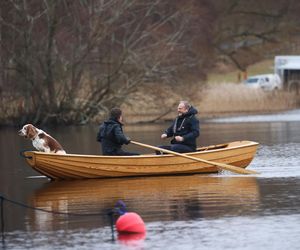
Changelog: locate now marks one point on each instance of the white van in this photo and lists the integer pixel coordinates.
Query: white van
(288, 69)
(267, 82)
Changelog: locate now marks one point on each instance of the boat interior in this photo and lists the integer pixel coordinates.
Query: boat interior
(213, 147)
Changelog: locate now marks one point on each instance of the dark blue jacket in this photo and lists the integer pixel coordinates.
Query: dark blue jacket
(111, 136)
(187, 126)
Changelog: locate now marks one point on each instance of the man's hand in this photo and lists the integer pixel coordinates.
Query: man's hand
(128, 140)
(179, 138)
(163, 136)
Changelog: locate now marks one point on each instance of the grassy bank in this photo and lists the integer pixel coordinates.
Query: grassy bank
(225, 95)
(228, 99)
(221, 96)
(226, 74)
(225, 99)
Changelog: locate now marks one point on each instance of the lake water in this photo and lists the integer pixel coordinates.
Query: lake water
(219, 211)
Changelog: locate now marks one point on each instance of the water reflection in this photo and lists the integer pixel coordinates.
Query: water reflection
(184, 212)
(154, 198)
(132, 240)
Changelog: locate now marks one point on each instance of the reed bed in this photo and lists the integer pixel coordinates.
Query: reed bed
(232, 98)
(213, 100)
(158, 103)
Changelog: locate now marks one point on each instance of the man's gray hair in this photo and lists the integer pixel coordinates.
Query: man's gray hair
(186, 104)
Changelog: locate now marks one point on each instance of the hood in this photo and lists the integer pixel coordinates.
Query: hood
(111, 122)
(192, 111)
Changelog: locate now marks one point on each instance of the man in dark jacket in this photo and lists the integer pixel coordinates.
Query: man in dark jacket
(111, 135)
(184, 130)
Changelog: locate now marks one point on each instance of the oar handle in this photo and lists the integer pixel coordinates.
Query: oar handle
(218, 164)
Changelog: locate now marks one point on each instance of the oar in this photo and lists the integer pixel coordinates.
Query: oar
(218, 164)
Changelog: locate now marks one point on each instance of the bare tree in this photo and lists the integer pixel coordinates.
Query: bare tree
(242, 26)
(68, 61)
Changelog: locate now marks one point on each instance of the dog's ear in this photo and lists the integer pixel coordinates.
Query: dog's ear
(30, 131)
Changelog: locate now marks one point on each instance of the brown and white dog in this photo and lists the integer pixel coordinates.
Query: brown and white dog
(41, 140)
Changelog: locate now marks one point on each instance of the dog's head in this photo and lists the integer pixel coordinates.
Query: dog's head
(28, 131)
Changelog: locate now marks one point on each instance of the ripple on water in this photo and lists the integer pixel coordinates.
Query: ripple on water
(281, 160)
(290, 116)
(260, 233)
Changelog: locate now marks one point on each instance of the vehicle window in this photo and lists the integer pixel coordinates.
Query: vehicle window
(252, 80)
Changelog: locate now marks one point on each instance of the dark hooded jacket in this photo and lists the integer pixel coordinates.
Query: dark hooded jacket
(187, 126)
(111, 136)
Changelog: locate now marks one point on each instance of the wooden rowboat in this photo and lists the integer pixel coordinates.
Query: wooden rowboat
(74, 166)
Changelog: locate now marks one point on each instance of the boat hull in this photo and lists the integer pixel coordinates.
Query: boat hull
(74, 166)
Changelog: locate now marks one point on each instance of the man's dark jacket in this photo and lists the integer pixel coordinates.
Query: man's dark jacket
(187, 126)
(111, 136)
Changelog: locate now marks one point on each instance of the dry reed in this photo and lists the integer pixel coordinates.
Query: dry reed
(230, 98)
(159, 102)
(222, 99)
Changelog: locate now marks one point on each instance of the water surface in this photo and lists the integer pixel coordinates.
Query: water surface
(219, 211)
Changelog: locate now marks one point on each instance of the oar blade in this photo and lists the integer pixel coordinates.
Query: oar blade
(236, 169)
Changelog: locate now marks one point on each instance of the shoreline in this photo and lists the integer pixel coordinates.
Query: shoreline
(206, 116)
(143, 119)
